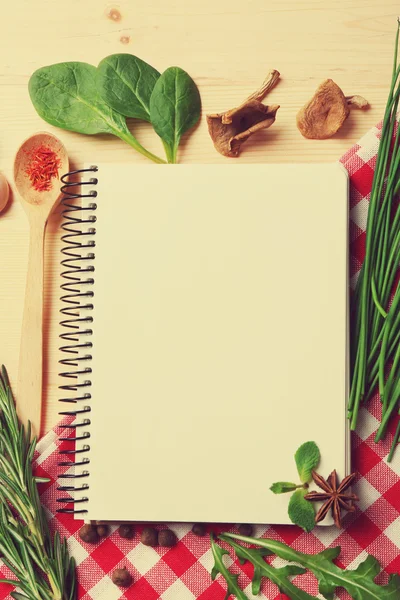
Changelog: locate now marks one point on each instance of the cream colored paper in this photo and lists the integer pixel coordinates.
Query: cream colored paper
(220, 335)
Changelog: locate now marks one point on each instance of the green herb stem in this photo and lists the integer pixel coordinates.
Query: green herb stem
(132, 141)
(383, 263)
(372, 359)
(392, 267)
(374, 371)
(393, 375)
(396, 439)
(390, 405)
(376, 299)
(376, 326)
(169, 152)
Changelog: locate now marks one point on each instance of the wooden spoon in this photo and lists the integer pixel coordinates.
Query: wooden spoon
(38, 206)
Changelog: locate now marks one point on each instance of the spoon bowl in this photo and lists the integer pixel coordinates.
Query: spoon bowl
(29, 196)
(38, 206)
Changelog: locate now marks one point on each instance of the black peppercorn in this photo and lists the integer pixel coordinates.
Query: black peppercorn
(102, 530)
(166, 538)
(126, 531)
(245, 529)
(88, 533)
(199, 529)
(149, 536)
(122, 577)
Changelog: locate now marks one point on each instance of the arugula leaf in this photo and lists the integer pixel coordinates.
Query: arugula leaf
(301, 512)
(359, 583)
(307, 458)
(65, 95)
(282, 487)
(125, 83)
(279, 576)
(256, 582)
(219, 567)
(174, 108)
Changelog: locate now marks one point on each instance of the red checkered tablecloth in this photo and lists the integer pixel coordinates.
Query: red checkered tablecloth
(183, 572)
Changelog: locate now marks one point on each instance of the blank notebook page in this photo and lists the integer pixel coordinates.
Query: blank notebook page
(219, 337)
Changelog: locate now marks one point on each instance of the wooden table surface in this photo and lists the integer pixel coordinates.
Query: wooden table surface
(227, 47)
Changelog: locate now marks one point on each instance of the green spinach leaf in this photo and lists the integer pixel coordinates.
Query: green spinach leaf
(174, 108)
(125, 83)
(65, 95)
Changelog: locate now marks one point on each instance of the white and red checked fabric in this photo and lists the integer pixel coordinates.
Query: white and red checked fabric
(183, 572)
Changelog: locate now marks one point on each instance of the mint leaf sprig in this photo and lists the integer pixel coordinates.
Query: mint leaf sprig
(301, 512)
(307, 459)
(41, 564)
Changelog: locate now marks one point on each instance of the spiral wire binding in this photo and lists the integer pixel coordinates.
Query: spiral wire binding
(78, 219)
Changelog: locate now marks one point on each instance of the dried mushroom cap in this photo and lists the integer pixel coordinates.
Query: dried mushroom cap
(326, 112)
(230, 129)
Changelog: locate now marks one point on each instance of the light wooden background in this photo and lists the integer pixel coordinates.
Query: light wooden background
(227, 46)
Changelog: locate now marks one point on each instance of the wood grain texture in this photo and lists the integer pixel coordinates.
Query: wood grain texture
(30, 384)
(227, 47)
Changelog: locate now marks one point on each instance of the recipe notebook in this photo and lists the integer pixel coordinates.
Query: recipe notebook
(205, 337)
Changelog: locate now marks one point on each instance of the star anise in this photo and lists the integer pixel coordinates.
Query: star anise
(334, 496)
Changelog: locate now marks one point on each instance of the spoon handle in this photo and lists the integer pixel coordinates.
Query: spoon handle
(29, 398)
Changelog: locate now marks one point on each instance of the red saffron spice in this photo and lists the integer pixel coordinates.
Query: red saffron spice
(42, 168)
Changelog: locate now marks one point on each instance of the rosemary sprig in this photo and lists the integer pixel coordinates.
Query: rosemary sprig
(376, 311)
(40, 563)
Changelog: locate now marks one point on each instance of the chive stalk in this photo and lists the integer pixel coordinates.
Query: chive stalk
(375, 351)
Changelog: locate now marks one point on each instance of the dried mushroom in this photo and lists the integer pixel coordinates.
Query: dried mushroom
(326, 112)
(228, 130)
